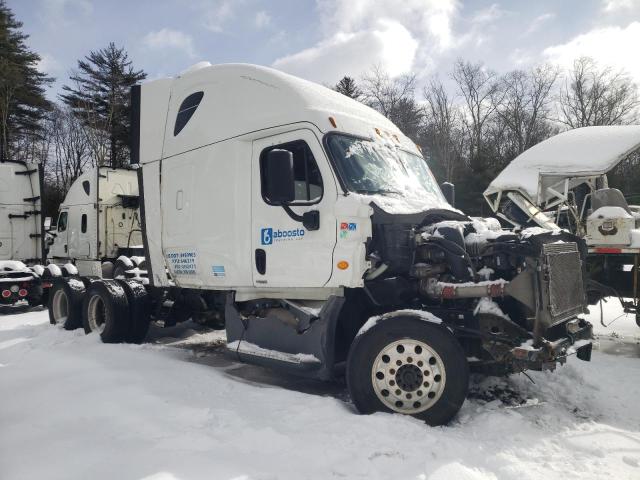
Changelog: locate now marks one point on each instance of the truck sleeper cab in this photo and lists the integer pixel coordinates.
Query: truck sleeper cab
(314, 230)
(98, 227)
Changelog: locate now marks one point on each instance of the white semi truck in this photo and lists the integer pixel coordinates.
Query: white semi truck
(562, 183)
(21, 233)
(98, 227)
(314, 229)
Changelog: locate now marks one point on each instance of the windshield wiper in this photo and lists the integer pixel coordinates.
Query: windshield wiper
(377, 192)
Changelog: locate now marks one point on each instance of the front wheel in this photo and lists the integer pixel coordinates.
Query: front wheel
(407, 365)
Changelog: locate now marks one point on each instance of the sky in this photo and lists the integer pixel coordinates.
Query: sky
(323, 40)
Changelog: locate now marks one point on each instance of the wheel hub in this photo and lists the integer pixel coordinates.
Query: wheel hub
(408, 376)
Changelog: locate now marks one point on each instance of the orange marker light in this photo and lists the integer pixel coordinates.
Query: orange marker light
(378, 131)
(343, 265)
(332, 121)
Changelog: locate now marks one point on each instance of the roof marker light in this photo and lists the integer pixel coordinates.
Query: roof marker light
(332, 121)
(378, 131)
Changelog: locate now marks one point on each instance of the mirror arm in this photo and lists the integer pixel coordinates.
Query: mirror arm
(310, 220)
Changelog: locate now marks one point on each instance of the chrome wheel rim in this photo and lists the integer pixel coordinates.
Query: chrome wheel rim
(96, 314)
(60, 307)
(408, 376)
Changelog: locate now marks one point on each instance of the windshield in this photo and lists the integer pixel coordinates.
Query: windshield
(372, 168)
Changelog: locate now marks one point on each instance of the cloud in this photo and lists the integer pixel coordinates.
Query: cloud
(389, 45)
(218, 12)
(397, 35)
(615, 5)
(538, 22)
(170, 39)
(262, 19)
(56, 13)
(609, 46)
(488, 15)
(49, 64)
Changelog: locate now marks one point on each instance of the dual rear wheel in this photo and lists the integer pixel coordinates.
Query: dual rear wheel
(118, 310)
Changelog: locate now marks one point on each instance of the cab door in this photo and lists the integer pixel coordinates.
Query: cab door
(285, 253)
(60, 247)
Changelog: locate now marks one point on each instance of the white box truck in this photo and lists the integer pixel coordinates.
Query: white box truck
(314, 230)
(21, 230)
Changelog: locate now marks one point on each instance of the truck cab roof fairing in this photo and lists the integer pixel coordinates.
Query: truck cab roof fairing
(583, 152)
(240, 99)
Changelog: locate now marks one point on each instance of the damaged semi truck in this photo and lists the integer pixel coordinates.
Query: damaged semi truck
(314, 230)
(562, 183)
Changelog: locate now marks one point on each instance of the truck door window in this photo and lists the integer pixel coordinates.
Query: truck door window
(62, 222)
(308, 181)
(83, 223)
(186, 110)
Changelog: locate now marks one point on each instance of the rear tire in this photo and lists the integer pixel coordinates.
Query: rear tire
(139, 310)
(65, 303)
(407, 365)
(106, 310)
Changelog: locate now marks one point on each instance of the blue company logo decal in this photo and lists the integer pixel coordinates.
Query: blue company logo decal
(217, 270)
(269, 235)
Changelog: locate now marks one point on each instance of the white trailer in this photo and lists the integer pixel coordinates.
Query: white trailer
(21, 227)
(313, 229)
(562, 183)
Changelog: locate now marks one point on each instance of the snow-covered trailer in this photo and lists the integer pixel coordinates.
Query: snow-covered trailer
(21, 227)
(312, 227)
(562, 183)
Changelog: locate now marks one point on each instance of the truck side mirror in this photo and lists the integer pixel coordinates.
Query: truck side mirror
(280, 183)
(449, 192)
(47, 224)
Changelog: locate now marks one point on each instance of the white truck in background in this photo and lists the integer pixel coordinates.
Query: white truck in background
(562, 183)
(21, 233)
(312, 227)
(97, 233)
(98, 227)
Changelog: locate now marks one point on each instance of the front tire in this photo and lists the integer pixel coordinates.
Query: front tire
(406, 365)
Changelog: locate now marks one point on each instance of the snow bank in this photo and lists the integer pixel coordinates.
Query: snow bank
(76, 408)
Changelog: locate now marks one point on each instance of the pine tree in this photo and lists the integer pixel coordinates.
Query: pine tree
(22, 87)
(100, 97)
(347, 86)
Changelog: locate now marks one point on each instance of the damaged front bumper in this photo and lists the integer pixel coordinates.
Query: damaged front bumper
(546, 354)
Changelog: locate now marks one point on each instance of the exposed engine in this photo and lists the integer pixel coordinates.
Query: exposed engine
(510, 295)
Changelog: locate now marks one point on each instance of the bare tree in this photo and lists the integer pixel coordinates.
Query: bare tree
(70, 148)
(479, 89)
(394, 98)
(524, 108)
(443, 128)
(597, 96)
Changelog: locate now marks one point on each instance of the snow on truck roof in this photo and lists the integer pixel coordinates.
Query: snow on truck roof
(586, 151)
(243, 98)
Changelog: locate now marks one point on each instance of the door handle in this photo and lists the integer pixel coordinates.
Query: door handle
(261, 261)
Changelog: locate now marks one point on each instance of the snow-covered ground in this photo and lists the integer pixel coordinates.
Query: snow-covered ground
(176, 408)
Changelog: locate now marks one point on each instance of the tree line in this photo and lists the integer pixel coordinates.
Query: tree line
(470, 122)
